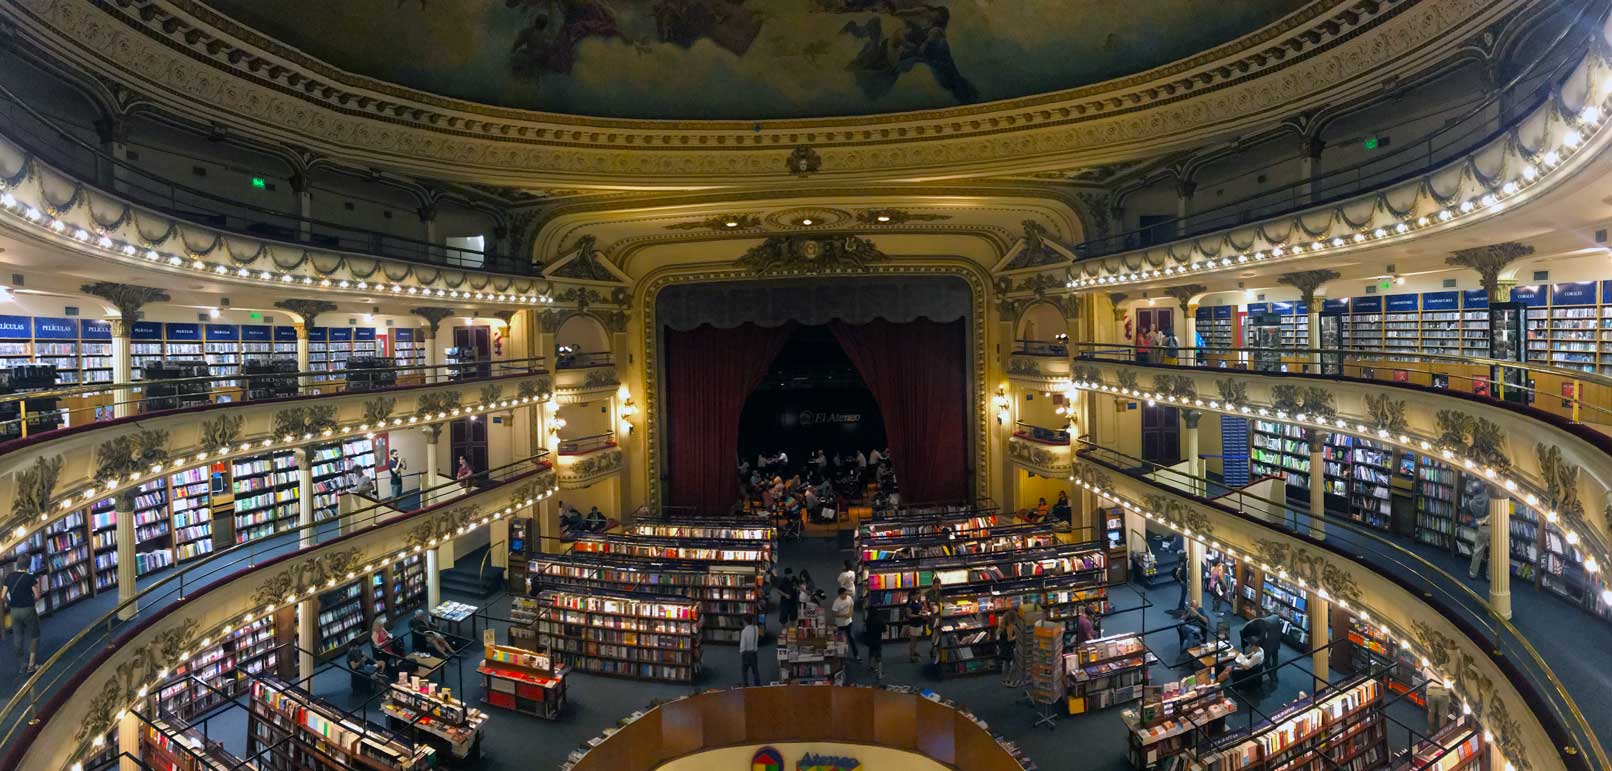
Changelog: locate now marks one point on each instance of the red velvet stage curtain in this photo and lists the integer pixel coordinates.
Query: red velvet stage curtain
(709, 374)
(917, 372)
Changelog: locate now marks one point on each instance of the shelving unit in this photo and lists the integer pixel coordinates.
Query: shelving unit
(289, 730)
(434, 717)
(726, 593)
(1217, 326)
(734, 532)
(265, 495)
(960, 524)
(1436, 502)
(285, 345)
(192, 514)
(1106, 672)
(691, 549)
(103, 524)
(153, 529)
(810, 653)
(80, 350)
(66, 562)
(1282, 599)
(219, 671)
(983, 541)
(1371, 651)
(1345, 730)
(1171, 720)
(408, 350)
(341, 618)
(521, 681)
(638, 635)
(1459, 746)
(222, 350)
(172, 745)
(408, 584)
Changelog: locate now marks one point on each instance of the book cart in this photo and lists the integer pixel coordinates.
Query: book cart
(1106, 672)
(521, 680)
(624, 634)
(290, 730)
(726, 592)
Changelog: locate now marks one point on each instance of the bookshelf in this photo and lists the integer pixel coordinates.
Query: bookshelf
(1458, 746)
(523, 621)
(153, 529)
(1172, 718)
(1372, 652)
(1044, 662)
(289, 730)
(341, 618)
(690, 549)
(408, 350)
(192, 515)
(725, 593)
(285, 345)
(1228, 589)
(265, 495)
(521, 681)
(67, 570)
(1288, 602)
(967, 522)
(1216, 325)
(432, 715)
(103, 524)
(927, 511)
(733, 532)
(1436, 502)
(79, 349)
(219, 671)
(624, 634)
(1106, 672)
(1281, 450)
(809, 653)
(172, 745)
(1345, 730)
(407, 578)
(983, 541)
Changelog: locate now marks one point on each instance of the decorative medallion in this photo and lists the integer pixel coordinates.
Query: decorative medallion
(803, 161)
(809, 254)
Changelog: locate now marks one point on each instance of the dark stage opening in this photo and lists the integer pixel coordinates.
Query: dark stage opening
(812, 398)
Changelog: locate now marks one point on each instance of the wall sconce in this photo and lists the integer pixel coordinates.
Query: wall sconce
(1001, 402)
(626, 410)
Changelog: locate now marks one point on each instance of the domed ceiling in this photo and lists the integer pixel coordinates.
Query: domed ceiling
(750, 59)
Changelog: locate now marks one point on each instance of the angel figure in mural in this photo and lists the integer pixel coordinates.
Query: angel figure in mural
(554, 28)
(919, 37)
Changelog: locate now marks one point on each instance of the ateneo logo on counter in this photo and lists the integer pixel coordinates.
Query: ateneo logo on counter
(812, 761)
(767, 759)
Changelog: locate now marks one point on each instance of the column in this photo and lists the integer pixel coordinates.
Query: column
(1309, 162)
(304, 194)
(1183, 204)
(123, 402)
(427, 471)
(1313, 312)
(433, 580)
(128, 739)
(1320, 638)
(1189, 419)
(304, 496)
(114, 135)
(433, 358)
(306, 381)
(1195, 572)
(307, 638)
(428, 218)
(124, 511)
(1318, 487)
(1500, 555)
(1190, 339)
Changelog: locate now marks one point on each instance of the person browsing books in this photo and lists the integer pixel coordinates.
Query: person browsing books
(749, 643)
(844, 604)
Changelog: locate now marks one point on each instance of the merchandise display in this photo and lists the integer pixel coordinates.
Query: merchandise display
(1343, 730)
(1106, 672)
(676, 548)
(434, 717)
(289, 730)
(219, 671)
(1173, 718)
(809, 652)
(982, 541)
(172, 745)
(522, 681)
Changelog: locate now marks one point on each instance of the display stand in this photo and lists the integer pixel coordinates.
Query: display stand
(1459, 746)
(1044, 665)
(1171, 719)
(434, 717)
(727, 592)
(809, 652)
(521, 681)
(1107, 671)
(1343, 730)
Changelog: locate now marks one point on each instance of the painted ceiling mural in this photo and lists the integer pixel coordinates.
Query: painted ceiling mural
(749, 59)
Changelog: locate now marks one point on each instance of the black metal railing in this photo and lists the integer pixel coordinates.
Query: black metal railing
(574, 360)
(586, 444)
(1037, 433)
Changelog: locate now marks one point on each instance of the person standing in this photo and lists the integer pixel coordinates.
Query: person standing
(1085, 628)
(749, 643)
(788, 600)
(1179, 573)
(464, 474)
(1480, 548)
(1144, 344)
(1217, 585)
(20, 598)
(915, 620)
(395, 466)
(842, 607)
(847, 579)
(873, 635)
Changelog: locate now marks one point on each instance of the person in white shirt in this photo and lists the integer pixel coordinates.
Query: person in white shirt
(843, 605)
(847, 578)
(874, 457)
(749, 641)
(1251, 660)
(861, 459)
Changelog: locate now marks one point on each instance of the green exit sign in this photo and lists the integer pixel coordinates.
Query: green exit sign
(259, 183)
(255, 316)
(1371, 143)
(1385, 284)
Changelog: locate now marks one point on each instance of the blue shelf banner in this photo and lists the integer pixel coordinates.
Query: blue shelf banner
(1398, 303)
(1531, 296)
(341, 334)
(260, 333)
(1371, 303)
(1335, 306)
(364, 334)
(318, 334)
(285, 334)
(1441, 301)
(145, 330)
(1573, 293)
(55, 329)
(223, 333)
(407, 335)
(182, 332)
(1475, 299)
(1255, 309)
(16, 328)
(92, 329)
(1221, 312)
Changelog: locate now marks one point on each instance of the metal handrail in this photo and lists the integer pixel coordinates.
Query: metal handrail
(34, 689)
(1043, 434)
(586, 444)
(1378, 172)
(569, 360)
(1408, 566)
(134, 393)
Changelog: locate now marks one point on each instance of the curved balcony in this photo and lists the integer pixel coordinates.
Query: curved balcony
(1037, 363)
(64, 711)
(1040, 450)
(588, 459)
(1523, 681)
(1465, 173)
(63, 470)
(1519, 451)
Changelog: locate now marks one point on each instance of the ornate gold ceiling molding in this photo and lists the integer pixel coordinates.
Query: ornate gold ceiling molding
(213, 70)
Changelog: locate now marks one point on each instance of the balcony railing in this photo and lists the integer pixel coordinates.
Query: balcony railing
(1041, 347)
(583, 445)
(1475, 127)
(62, 147)
(563, 360)
(1034, 433)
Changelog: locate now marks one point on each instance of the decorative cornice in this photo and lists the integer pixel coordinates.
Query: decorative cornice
(800, 254)
(433, 317)
(1489, 261)
(208, 59)
(587, 469)
(307, 310)
(1307, 282)
(127, 298)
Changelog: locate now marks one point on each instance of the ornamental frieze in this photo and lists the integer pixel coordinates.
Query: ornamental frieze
(1451, 658)
(128, 680)
(442, 524)
(311, 574)
(1315, 568)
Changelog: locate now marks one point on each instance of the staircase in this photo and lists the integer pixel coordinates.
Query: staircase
(471, 577)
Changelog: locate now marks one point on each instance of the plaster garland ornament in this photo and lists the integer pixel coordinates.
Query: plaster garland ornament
(1033, 456)
(437, 402)
(129, 299)
(896, 217)
(1473, 438)
(539, 388)
(491, 393)
(307, 310)
(131, 453)
(811, 254)
(1184, 293)
(1387, 413)
(127, 681)
(803, 161)
(591, 466)
(1086, 373)
(433, 318)
(442, 525)
(1023, 365)
(1035, 251)
(1175, 386)
(600, 377)
(379, 409)
(307, 576)
(1307, 282)
(222, 432)
(1117, 300)
(1091, 476)
(1489, 261)
(1127, 379)
(1561, 480)
(1179, 515)
(303, 421)
(720, 223)
(1314, 568)
(36, 486)
(1232, 391)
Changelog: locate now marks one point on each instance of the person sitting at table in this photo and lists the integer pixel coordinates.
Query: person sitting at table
(570, 522)
(1194, 627)
(423, 634)
(363, 671)
(1246, 667)
(1038, 513)
(1061, 510)
(596, 522)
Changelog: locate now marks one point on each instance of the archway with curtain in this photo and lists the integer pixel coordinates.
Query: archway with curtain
(907, 338)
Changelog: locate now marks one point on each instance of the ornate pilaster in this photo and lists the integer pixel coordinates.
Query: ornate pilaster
(1307, 282)
(433, 318)
(1488, 261)
(127, 298)
(1116, 299)
(1190, 418)
(307, 309)
(1184, 293)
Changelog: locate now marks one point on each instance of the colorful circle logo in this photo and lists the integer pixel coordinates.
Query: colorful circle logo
(767, 759)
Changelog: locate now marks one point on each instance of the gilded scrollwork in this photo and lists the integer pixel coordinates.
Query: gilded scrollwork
(491, 393)
(811, 254)
(1127, 379)
(1175, 386)
(1387, 413)
(600, 377)
(1474, 438)
(536, 388)
(302, 421)
(442, 524)
(130, 453)
(591, 466)
(163, 653)
(437, 402)
(1312, 567)
(221, 432)
(1232, 391)
(1450, 658)
(1179, 515)
(36, 486)
(1561, 480)
(310, 574)
(1023, 365)
(379, 408)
